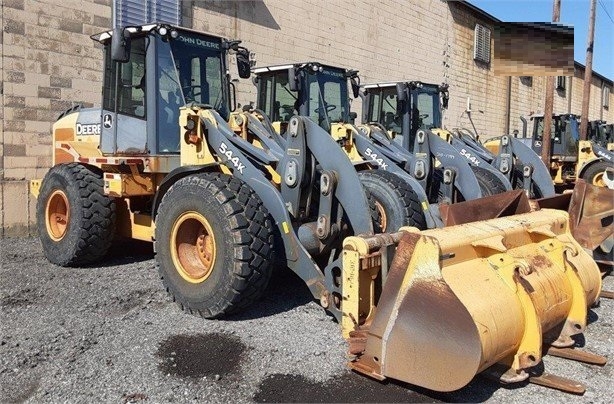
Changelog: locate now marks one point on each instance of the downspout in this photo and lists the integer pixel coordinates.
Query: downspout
(508, 102)
(570, 94)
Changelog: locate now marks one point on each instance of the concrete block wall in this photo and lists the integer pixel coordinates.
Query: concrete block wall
(386, 40)
(473, 80)
(49, 63)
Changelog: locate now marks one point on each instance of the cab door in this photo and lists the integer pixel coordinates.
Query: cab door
(124, 109)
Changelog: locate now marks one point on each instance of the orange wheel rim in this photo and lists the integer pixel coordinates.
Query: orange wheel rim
(193, 247)
(598, 180)
(383, 221)
(57, 215)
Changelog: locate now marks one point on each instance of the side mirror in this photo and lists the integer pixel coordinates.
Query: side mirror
(120, 45)
(445, 95)
(355, 83)
(243, 64)
(292, 82)
(401, 91)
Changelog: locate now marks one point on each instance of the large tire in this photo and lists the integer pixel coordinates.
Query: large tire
(594, 173)
(76, 220)
(214, 244)
(489, 183)
(397, 204)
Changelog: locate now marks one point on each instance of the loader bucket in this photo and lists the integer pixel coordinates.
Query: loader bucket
(458, 300)
(591, 217)
(490, 207)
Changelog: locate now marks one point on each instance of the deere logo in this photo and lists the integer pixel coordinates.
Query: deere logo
(333, 73)
(107, 121)
(88, 129)
(199, 42)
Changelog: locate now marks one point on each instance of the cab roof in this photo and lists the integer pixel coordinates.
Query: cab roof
(104, 36)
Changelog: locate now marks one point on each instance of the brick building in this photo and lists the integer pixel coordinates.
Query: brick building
(48, 63)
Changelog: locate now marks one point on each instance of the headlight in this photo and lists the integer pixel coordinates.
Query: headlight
(163, 31)
(190, 124)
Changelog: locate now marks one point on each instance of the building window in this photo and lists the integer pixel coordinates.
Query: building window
(606, 97)
(561, 82)
(139, 12)
(481, 44)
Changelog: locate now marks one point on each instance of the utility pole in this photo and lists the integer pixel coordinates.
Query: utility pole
(549, 103)
(588, 72)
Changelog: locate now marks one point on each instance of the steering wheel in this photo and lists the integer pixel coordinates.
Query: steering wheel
(327, 108)
(191, 91)
(423, 116)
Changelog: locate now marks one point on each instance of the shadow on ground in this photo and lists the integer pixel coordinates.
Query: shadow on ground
(285, 292)
(126, 251)
(354, 388)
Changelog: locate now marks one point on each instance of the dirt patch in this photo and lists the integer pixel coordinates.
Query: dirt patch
(539, 262)
(348, 388)
(201, 355)
(120, 305)
(23, 387)
(22, 298)
(134, 397)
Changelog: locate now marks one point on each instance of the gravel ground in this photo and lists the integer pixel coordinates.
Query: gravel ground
(109, 333)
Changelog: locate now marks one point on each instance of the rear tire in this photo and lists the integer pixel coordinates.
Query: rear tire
(489, 183)
(594, 173)
(396, 203)
(76, 220)
(214, 244)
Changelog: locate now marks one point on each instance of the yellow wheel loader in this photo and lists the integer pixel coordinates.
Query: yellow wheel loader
(159, 162)
(399, 113)
(433, 169)
(401, 109)
(571, 158)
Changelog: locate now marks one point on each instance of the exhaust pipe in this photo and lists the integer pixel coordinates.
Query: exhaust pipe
(524, 126)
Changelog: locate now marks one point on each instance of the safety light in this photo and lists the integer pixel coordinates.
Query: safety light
(174, 34)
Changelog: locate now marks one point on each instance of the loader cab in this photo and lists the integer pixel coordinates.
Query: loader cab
(597, 133)
(307, 89)
(404, 108)
(149, 74)
(564, 136)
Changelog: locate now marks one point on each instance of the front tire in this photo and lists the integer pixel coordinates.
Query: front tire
(214, 244)
(76, 220)
(595, 172)
(396, 203)
(489, 183)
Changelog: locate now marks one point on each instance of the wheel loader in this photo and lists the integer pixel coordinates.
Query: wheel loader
(571, 158)
(433, 169)
(158, 161)
(402, 108)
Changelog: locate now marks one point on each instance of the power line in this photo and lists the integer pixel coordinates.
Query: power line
(606, 11)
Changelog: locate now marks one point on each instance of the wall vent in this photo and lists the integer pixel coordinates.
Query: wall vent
(481, 44)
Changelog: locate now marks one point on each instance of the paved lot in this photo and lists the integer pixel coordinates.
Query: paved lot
(109, 333)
